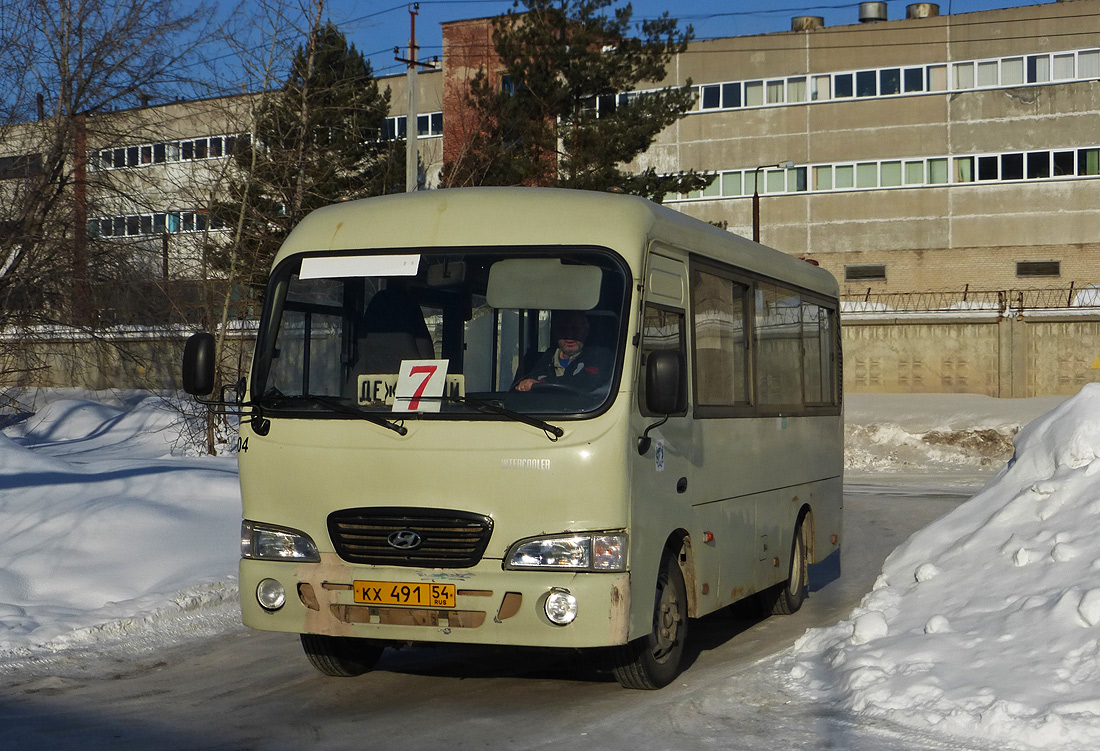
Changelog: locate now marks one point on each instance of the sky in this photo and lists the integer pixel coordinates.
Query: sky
(377, 28)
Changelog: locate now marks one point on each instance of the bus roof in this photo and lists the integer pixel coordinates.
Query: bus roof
(489, 217)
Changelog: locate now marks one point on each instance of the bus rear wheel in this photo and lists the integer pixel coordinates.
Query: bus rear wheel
(341, 656)
(653, 661)
(788, 597)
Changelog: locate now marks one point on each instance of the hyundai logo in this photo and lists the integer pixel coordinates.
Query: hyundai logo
(405, 539)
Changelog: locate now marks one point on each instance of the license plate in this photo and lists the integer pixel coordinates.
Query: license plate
(402, 593)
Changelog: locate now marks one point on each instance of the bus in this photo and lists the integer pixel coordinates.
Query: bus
(531, 417)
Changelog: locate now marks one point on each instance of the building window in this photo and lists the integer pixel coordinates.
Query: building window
(1038, 268)
(891, 174)
(987, 168)
(754, 93)
(1012, 71)
(889, 81)
(1038, 165)
(964, 169)
(1038, 68)
(796, 90)
(914, 80)
(987, 74)
(731, 95)
(1065, 164)
(775, 92)
(865, 272)
(1063, 67)
(914, 173)
(842, 86)
(1088, 64)
(1012, 166)
(867, 175)
(845, 176)
(937, 78)
(25, 165)
(964, 75)
(712, 97)
(1088, 162)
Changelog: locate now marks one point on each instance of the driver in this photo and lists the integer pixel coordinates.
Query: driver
(571, 364)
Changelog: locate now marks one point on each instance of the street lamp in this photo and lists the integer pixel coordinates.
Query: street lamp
(756, 195)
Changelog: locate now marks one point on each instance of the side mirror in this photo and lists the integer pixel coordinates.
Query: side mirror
(664, 389)
(198, 364)
(664, 382)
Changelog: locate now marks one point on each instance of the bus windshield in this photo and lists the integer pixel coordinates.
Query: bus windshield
(524, 330)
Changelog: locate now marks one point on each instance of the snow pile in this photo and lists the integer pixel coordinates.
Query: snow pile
(986, 623)
(104, 529)
(914, 432)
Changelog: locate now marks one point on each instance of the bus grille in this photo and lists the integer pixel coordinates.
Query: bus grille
(435, 538)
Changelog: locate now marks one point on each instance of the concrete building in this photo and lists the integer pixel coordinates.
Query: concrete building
(929, 152)
(926, 153)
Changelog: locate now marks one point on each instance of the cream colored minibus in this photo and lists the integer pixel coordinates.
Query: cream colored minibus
(531, 417)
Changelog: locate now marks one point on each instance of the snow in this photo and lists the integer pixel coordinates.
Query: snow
(112, 524)
(120, 534)
(985, 623)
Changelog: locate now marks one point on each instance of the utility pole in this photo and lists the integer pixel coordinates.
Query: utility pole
(412, 162)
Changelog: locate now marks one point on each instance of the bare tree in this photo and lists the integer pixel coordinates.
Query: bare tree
(66, 67)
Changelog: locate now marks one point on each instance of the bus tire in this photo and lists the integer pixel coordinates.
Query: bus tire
(653, 661)
(788, 597)
(341, 656)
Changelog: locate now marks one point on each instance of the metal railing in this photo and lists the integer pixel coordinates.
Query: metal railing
(1004, 302)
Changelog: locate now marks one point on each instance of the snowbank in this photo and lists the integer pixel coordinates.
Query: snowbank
(104, 528)
(899, 433)
(986, 624)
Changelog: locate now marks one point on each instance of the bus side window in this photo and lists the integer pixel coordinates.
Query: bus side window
(662, 328)
(719, 339)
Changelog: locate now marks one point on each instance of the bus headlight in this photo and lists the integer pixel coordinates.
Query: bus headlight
(270, 543)
(585, 552)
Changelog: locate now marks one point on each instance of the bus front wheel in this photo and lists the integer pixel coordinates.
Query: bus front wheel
(341, 656)
(653, 661)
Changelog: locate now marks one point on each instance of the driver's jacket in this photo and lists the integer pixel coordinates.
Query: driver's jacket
(586, 372)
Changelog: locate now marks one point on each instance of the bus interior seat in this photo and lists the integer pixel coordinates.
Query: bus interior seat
(393, 329)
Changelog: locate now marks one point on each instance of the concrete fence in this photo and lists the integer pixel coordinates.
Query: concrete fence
(1022, 354)
(1010, 353)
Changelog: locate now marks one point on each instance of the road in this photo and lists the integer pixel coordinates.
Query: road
(243, 690)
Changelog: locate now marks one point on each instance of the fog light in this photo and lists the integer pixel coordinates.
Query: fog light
(560, 607)
(270, 594)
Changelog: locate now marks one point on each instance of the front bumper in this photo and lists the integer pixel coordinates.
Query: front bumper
(493, 606)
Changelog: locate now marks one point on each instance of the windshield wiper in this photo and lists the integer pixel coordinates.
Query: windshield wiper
(487, 406)
(335, 405)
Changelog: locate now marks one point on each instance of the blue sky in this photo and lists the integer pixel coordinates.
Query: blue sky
(376, 28)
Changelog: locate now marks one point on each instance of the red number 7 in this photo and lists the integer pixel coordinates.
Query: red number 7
(414, 401)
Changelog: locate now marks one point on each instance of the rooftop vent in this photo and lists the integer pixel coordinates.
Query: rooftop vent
(807, 23)
(871, 12)
(922, 10)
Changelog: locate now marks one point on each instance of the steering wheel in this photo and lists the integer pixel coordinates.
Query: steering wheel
(558, 387)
